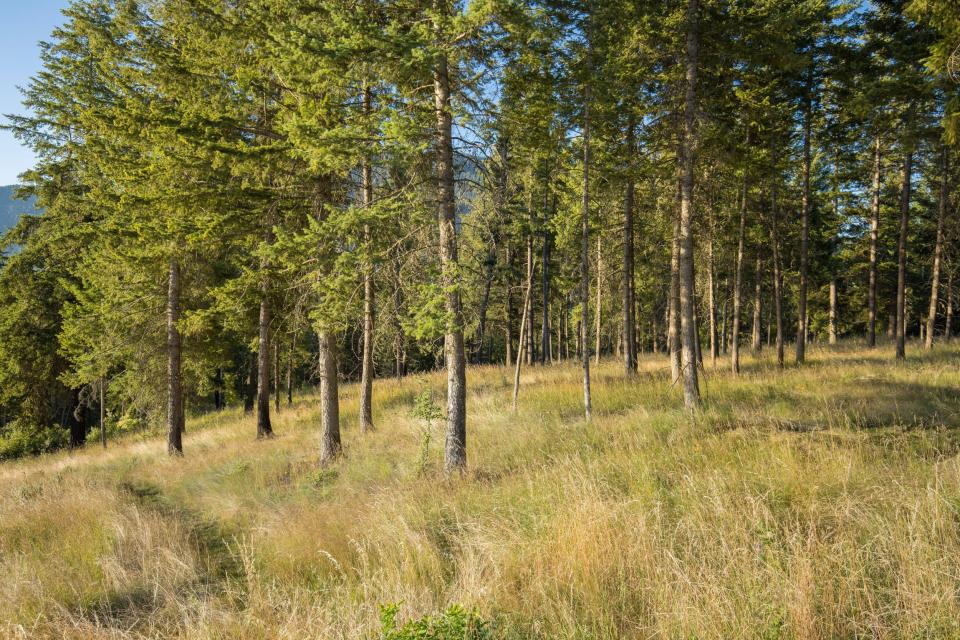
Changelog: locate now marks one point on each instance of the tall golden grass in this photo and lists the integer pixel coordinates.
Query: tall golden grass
(817, 502)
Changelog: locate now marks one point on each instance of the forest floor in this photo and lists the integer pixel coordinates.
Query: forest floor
(820, 502)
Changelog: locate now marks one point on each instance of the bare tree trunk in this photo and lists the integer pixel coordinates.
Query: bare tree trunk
(546, 351)
(276, 376)
(175, 414)
(804, 238)
(455, 450)
(523, 328)
(758, 305)
(673, 308)
(264, 429)
(738, 278)
(596, 353)
(290, 372)
(902, 257)
(777, 271)
(833, 311)
(629, 303)
(103, 412)
(874, 235)
(330, 447)
(585, 256)
(711, 301)
(508, 325)
(399, 343)
(948, 323)
(937, 252)
(367, 370)
(691, 386)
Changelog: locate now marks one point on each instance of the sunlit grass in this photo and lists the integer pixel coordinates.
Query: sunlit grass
(816, 502)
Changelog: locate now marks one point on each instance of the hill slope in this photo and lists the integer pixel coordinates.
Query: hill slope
(816, 502)
(11, 209)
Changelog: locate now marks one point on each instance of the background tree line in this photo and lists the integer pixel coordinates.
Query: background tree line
(244, 198)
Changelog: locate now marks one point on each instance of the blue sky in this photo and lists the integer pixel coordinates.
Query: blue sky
(22, 25)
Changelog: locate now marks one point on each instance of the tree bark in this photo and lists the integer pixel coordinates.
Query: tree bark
(597, 325)
(902, 256)
(833, 311)
(264, 428)
(673, 308)
(874, 236)
(711, 301)
(367, 370)
(585, 257)
(455, 449)
(738, 278)
(629, 304)
(276, 376)
(948, 322)
(691, 386)
(758, 305)
(330, 447)
(937, 253)
(804, 238)
(777, 271)
(175, 414)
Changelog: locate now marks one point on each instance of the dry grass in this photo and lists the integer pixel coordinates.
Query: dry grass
(819, 502)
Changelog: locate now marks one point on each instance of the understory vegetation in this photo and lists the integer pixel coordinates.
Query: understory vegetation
(817, 503)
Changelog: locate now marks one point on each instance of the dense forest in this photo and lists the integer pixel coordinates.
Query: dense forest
(244, 198)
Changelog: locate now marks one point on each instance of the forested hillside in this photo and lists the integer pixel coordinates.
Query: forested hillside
(11, 208)
(246, 197)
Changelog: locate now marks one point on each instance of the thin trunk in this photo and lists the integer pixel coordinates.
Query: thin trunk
(874, 235)
(103, 413)
(367, 370)
(528, 309)
(738, 278)
(673, 308)
(758, 305)
(937, 252)
(399, 342)
(545, 347)
(833, 311)
(264, 428)
(596, 353)
(711, 301)
(585, 257)
(276, 376)
(691, 386)
(777, 271)
(455, 450)
(902, 256)
(523, 328)
(948, 322)
(330, 447)
(629, 321)
(175, 415)
(508, 326)
(804, 238)
(290, 372)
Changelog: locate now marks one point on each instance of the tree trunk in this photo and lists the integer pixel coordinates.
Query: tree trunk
(524, 322)
(585, 257)
(596, 353)
(250, 388)
(777, 271)
(804, 238)
(455, 449)
(175, 414)
(629, 303)
(902, 256)
(508, 325)
(691, 386)
(264, 429)
(874, 236)
(758, 305)
(738, 278)
(545, 347)
(366, 367)
(673, 308)
(103, 413)
(711, 301)
(290, 372)
(276, 376)
(937, 252)
(948, 322)
(330, 447)
(833, 311)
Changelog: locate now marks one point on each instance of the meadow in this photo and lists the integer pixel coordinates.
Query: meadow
(817, 502)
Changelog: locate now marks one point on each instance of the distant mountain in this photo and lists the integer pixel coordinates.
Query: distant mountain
(11, 209)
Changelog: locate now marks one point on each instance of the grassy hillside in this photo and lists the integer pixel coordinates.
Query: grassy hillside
(817, 503)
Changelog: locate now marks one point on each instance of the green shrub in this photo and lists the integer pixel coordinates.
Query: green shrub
(456, 623)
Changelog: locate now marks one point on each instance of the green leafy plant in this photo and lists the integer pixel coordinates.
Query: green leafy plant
(425, 409)
(456, 623)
